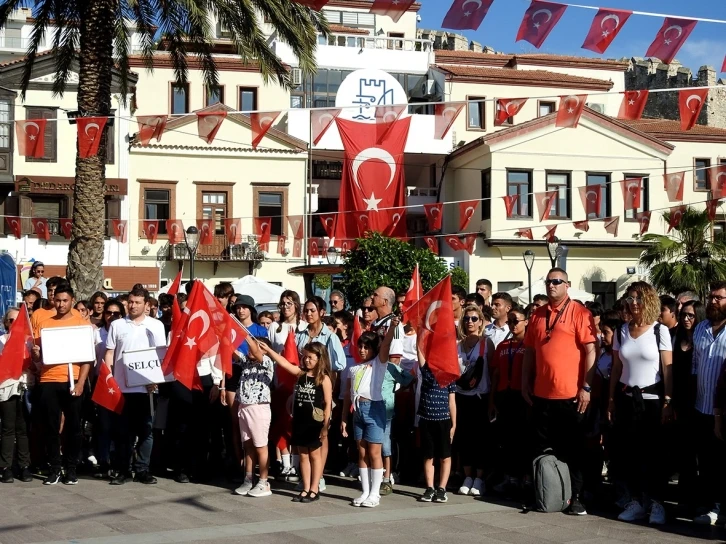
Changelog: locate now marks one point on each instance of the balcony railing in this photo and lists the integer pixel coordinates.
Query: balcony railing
(218, 250)
(376, 42)
(14, 43)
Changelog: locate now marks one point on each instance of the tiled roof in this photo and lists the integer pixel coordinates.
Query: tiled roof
(536, 78)
(341, 29)
(470, 57)
(22, 59)
(666, 129)
(538, 59)
(550, 60)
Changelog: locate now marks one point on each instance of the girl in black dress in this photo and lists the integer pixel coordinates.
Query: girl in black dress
(312, 405)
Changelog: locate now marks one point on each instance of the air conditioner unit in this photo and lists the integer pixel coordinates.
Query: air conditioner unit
(428, 87)
(600, 108)
(297, 76)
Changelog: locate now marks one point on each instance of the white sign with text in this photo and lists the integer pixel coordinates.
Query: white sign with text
(143, 367)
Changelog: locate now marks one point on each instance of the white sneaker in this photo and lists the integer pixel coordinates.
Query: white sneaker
(292, 476)
(393, 478)
(371, 502)
(710, 518)
(245, 488)
(477, 488)
(285, 471)
(657, 514)
(633, 511)
(260, 490)
(466, 486)
(359, 500)
(321, 485)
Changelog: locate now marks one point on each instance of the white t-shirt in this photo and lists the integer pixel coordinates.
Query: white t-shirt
(497, 334)
(125, 335)
(30, 283)
(409, 358)
(278, 339)
(366, 380)
(641, 357)
(468, 358)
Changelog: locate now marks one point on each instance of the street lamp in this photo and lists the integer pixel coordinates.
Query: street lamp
(705, 260)
(332, 256)
(528, 257)
(553, 250)
(191, 237)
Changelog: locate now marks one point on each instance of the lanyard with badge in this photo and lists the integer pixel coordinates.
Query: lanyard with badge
(550, 328)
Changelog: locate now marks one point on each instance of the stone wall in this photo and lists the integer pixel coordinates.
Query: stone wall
(450, 41)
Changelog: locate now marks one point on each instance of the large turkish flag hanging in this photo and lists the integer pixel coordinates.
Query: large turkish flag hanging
(373, 176)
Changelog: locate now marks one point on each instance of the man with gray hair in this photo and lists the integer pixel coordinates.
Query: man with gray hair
(685, 296)
(337, 302)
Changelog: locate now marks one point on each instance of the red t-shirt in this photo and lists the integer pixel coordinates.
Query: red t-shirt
(509, 354)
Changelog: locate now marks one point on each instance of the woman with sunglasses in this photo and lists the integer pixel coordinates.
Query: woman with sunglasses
(641, 388)
(472, 400)
(36, 280)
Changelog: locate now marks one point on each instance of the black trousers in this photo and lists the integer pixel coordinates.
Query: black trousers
(56, 399)
(559, 427)
(513, 432)
(711, 454)
(190, 414)
(134, 423)
(472, 430)
(15, 421)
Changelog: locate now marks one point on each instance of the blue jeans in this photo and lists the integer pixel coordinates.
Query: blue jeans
(135, 421)
(386, 448)
(369, 421)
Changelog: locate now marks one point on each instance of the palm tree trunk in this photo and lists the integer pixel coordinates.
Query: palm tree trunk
(85, 254)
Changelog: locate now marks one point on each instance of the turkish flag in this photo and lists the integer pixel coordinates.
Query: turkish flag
(176, 284)
(362, 223)
(41, 229)
(31, 137)
(544, 204)
(469, 241)
(582, 225)
(357, 331)
(591, 199)
(644, 219)
(328, 221)
(285, 380)
(466, 14)
(373, 174)
(281, 245)
(297, 226)
(633, 105)
(209, 123)
(670, 38)
(347, 245)
(433, 319)
(107, 393)
(229, 332)
(723, 66)
(539, 20)
(673, 184)
(570, 110)
(150, 229)
(690, 104)
(446, 114)
(260, 124)
(525, 233)
(206, 231)
(454, 243)
(119, 230)
(718, 181)
(434, 215)
(320, 121)
(15, 357)
(314, 247)
(611, 225)
(415, 291)
(549, 236)
(711, 206)
(317, 5)
(67, 228)
(386, 116)
(466, 213)
(604, 28)
(263, 231)
(396, 223)
(175, 231)
(151, 126)
(297, 248)
(632, 193)
(391, 8)
(675, 217)
(509, 202)
(90, 131)
(233, 230)
(433, 244)
(508, 108)
(176, 313)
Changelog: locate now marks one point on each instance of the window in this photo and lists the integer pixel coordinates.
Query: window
(179, 99)
(559, 182)
(214, 206)
(606, 293)
(158, 201)
(632, 215)
(223, 31)
(519, 182)
(396, 44)
(51, 132)
(504, 286)
(327, 170)
(545, 108)
(51, 208)
(5, 124)
(112, 207)
(110, 143)
(270, 204)
(475, 113)
(247, 99)
(701, 176)
(719, 229)
(486, 194)
(604, 180)
(214, 95)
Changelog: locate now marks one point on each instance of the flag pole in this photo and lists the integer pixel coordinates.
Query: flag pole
(249, 334)
(70, 375)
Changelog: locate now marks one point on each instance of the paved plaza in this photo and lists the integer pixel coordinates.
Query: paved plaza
(94, 512)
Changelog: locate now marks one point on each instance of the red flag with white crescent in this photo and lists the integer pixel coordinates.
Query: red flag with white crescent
(675, 217)
(582, 225)
(415, 291)
(263, 229)
(151, 230)
(644, 219)
(433, 243)
(454, 242)
(446, 115)
(469, 242)
(206, 231)
(633, 105)
(549, 236)
(297, 226)
(670, 38)
(119, 230)
(509, 202)
(90, 132)
(673, 184)
(508, 108)
(690, 104)
(41, 228)
(317, 5)
(570, 110)
(539, 20)
(30, 135)
(346, 245)
(107, 392)
(357, 332)
(396, 223)
(718, 181)
(605, 27)
(297, 248)
(711, 207)
(314, 245)
(386, 116)
(466, 213)
(281, 245)
(434, 215)
(67, 228)
(150, 126)
(320, 121)
(525, 233)
(175, 231)
(233, 230)
(632, 193)
(260, 124)
(15, 357)
(611, 225)
(466, 14)
(363, 223)
(328, 221)
(209, 123)
(391, 8)
(591, 196)
(544, 204)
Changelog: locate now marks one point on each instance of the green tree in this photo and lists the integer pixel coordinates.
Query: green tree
(97, 34)
(379, 260)
(687, 259)
(460, 278)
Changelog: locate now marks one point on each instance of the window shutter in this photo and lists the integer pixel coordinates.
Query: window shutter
(350, 18)
(110, 144)
(51, 132)
(26, 212)
(8, 207)
(113, 211)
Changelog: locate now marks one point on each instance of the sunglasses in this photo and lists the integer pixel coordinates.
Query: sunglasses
(471, 318)
(514, 321)
(630, 300)
(368, 308)
(556, 281)
(688, 316)
(114, 314)
(285, 305)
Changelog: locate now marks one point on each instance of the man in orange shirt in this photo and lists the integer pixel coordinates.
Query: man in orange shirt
(48, 310)
(55, 394)
(559, 361)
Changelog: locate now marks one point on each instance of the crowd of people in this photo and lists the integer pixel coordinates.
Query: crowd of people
(631, 396)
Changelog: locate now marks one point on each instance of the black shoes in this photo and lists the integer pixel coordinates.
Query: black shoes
(53, 478)
(25, 475)
(120, 478)
(70, 477)
(144, 478)
(576, 507)
(7, 477)
(181, 478)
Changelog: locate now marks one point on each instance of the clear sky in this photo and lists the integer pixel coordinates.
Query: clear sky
(707, 44)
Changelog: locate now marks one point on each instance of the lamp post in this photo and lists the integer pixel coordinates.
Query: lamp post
(191, 237)
(528, 257)
(332, 256)
(553, 249)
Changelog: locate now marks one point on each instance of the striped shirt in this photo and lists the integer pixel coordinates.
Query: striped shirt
(708, 359)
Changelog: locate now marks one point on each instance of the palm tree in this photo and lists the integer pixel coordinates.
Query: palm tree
(97, 33)
(688, 259)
